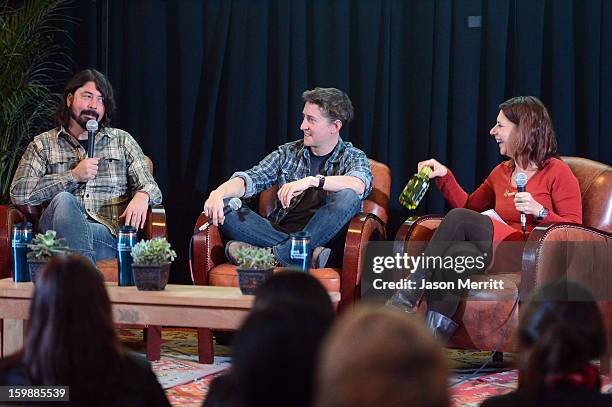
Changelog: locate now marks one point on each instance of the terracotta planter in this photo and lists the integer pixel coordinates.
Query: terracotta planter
(35, 267)
(250, 279)
(151, 277)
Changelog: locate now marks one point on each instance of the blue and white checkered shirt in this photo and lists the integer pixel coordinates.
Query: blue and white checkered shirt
(291, 162)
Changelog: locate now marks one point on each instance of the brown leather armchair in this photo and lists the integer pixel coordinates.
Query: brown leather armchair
(155, 226)
(488, 318)
(210, 267)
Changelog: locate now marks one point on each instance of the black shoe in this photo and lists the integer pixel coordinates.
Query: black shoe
(398, 301)
(440, 325)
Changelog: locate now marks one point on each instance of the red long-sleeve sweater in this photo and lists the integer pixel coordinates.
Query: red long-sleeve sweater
(553, 186)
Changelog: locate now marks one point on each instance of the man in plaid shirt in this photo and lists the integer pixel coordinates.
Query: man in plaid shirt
(86, 198)
(322, 181)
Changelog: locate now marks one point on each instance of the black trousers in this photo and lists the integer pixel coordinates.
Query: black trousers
(462, 234)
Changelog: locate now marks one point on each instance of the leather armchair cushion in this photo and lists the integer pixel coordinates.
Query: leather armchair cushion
(225, 275)
(108, 268)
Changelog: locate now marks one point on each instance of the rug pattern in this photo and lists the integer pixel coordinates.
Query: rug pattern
(186, 382)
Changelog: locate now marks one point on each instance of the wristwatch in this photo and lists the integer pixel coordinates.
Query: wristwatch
(321, 181)
(542, 214)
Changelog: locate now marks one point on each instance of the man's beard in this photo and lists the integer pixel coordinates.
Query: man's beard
(81, 121)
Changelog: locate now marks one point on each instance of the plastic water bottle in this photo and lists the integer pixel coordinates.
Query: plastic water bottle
(22, 235)
(127, 237)
(415, 189)
(300, 250)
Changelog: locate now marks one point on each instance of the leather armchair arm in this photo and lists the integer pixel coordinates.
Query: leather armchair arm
(362, 228)
(208, 251)
(416, 229)
(155, 225)
(568, 250)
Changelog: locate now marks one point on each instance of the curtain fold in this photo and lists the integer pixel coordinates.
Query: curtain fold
(210, 87)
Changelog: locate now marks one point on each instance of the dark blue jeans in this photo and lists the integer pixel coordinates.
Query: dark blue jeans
(68, 218)
(248, 226)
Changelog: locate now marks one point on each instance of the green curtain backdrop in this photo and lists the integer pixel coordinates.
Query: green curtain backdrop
(210, 87)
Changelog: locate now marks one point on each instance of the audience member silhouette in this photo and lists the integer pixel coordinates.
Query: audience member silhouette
(275, 350)
(71, 342)
(377, 357)
(560, 332)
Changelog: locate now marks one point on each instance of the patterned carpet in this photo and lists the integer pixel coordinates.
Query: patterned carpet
(186, 382)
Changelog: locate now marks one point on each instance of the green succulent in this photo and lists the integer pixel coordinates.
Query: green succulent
(255, 258)
(45, 245)
(154, 251)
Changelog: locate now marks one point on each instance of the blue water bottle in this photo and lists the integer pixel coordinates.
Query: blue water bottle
(127, 237)
(300, 250)
(22, 235)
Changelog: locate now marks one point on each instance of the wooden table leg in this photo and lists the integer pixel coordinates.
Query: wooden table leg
(153, 338)
(206, 349)
(13, 331)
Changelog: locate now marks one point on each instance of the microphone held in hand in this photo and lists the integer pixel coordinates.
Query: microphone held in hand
(521, 180)
(233, 204)
(92, 128)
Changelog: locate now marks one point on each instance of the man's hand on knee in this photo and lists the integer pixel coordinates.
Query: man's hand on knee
(291, 189)
(213, 208)
(136, 212)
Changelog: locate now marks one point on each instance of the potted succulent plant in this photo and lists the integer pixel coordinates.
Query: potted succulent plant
(151, 261)
(255, 265)
(43, 247)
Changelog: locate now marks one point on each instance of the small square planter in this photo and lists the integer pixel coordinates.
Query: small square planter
(35, 267)
(250, 279)
(149, 277)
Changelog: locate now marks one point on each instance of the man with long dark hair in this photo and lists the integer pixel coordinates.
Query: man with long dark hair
(86, 197)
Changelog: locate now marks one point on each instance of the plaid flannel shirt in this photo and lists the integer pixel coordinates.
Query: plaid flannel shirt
(291, 162)
(44, 171)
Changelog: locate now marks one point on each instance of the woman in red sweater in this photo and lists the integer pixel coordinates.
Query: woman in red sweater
(523, 132)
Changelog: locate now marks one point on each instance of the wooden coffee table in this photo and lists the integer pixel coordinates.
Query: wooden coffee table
(177, 305)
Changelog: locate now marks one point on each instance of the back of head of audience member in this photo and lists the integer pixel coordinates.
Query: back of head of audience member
(560, 331)
(274, 355)
(377, 357)
(294, 287)
(71, 339)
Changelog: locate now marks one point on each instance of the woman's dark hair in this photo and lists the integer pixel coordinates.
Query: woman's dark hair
(294, 287)
(62, 113)
(560, 331)
(71, 340)
(274, 356)
(535, 140)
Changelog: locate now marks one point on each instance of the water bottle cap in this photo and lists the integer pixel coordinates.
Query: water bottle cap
(426, 170)
(22, 225)
(300, 235)
(127, 229)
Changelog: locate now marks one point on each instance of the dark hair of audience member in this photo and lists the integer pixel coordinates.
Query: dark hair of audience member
(71, 340)
(561, 330)
(274, 352)
(274, 356)
(294, 287)
(377, 357)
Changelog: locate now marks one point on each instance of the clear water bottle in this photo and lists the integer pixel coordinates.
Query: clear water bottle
(300, 250)
(415, 189)
(127, 237)
(22, 236)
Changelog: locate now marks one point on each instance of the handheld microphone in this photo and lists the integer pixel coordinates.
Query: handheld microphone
(234, 204)
(92, 128)
(521, 181)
